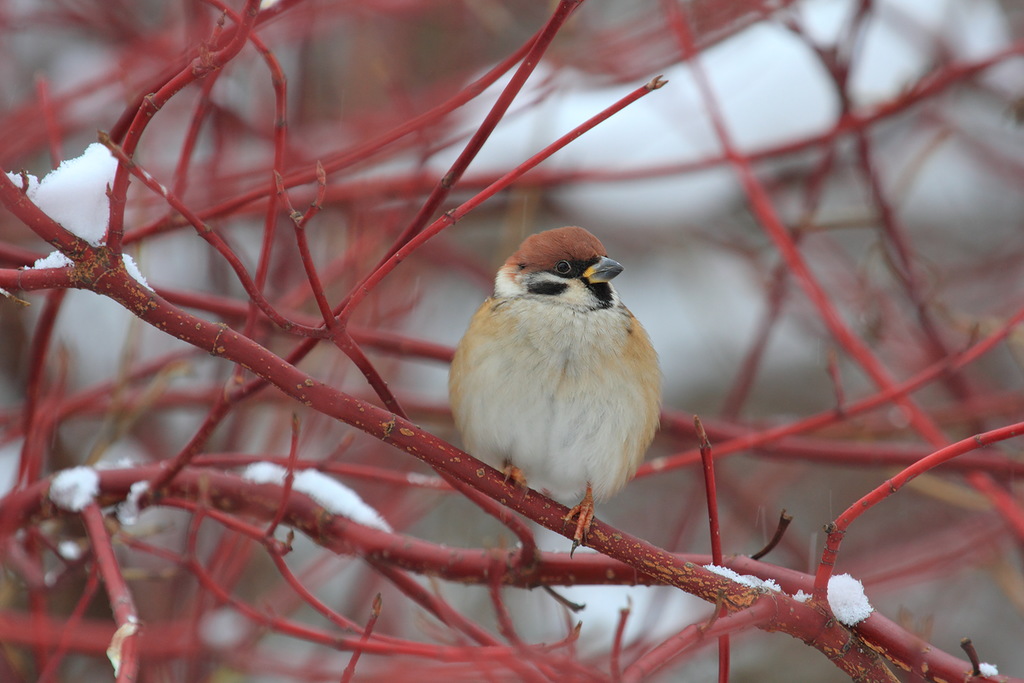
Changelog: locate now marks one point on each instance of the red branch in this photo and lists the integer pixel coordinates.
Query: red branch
(229, 118)
(123, 648)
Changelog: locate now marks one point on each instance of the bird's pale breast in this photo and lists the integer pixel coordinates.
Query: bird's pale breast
(566, 395)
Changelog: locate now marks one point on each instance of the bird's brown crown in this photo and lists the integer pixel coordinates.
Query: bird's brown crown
(543, 250)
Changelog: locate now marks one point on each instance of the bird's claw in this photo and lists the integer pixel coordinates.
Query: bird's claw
(515, 475)
(584, 514)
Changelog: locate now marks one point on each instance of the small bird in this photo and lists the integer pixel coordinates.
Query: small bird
(555, 382)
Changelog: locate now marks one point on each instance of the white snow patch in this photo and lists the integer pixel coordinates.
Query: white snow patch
(748, 580)
(334, 496)
(74, 488)
(800, 596)
(128, 511)
(847, 599)
(133, 270)
(223, 628)
(33, 182)
(54, 259)
(75, 193)
(264, 473)
(987, 669)
(69, 550)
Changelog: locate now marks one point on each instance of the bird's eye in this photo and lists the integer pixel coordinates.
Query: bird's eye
(563, 267)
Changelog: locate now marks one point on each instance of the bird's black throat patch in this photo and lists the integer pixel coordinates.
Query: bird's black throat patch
(602, 291)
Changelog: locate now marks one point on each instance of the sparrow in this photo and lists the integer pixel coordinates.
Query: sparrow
(555, 382)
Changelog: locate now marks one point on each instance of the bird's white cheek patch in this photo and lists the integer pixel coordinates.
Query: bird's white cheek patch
(505, 285)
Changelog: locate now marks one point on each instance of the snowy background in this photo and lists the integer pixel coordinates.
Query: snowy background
(889, 142)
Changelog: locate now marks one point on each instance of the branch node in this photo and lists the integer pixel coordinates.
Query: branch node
(968, 647)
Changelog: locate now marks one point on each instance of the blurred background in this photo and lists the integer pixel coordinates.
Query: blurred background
(884, 139)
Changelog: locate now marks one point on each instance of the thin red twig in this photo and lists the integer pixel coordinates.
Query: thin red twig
(350, 669)
(123, 650)
(838, 528)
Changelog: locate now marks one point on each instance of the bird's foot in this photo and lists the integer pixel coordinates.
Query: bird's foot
(584, 514)
(515, 475)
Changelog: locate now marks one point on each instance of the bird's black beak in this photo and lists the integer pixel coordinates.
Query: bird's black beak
(602, 271)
